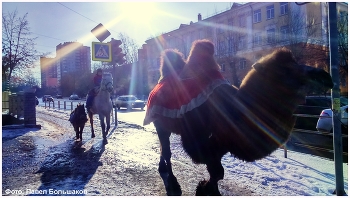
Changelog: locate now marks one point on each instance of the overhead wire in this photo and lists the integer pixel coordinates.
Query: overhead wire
(77, 12)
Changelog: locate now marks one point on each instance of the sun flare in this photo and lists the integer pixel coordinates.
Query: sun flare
(139, 13)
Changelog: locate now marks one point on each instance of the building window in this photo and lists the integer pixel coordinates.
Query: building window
(257, 39)
(257, 16)
(230, 44)
(232, 65)
(221, 28)
(221, 47)
(230, 22)
(193, 35)
(271, 36)
(284, 33)
(241, 21)
(242, 63)
(270, 12)
(222, 67)
(284, 8)
(201, 34)
(209, 32)
(242, 44)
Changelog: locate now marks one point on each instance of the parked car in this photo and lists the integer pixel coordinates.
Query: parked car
(309, 138)
(74, 97)
(324, 123)
(59, 96)
(129, 102)
(47, 98)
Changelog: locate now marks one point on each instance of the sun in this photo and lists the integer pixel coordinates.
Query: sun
(139, 13)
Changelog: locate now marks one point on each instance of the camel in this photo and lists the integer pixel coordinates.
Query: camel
(214, 118)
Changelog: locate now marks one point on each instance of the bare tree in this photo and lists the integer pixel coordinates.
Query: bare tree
(130, 48)
(26, 77)
(18, 50)
(343, 44)
(300, 29)
(227, 47)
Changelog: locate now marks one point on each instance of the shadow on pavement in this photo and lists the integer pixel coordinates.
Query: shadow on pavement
(69, 168)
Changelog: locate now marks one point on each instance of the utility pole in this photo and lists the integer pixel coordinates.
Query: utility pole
(337, 136)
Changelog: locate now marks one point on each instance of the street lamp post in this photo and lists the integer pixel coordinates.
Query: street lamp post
(183, 43)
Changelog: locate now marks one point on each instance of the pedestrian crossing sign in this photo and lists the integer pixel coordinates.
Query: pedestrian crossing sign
(101, 52)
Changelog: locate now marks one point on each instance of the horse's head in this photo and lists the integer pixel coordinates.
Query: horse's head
(107, 82)
(80, 109)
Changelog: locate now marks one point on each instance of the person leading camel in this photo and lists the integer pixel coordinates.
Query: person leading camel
(94, 91)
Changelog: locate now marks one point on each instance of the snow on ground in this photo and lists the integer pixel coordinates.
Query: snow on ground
(297, 175)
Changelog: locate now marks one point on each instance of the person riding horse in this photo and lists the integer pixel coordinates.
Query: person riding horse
(93, 92)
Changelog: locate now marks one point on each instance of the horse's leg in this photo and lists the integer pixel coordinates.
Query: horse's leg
(81, 132)
(108, 122)
(216, 172)
(92, 124)
(76, 129)
(103, 126)
(171, 185)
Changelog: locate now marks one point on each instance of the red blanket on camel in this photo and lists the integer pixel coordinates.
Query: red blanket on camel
(173, 97)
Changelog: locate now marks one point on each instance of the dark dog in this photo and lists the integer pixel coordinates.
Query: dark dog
(78, 118)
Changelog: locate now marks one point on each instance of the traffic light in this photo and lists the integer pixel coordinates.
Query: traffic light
(117, 55)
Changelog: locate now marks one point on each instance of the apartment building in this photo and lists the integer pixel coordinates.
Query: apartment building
(248, 31)
(72, 59)
(48, 70)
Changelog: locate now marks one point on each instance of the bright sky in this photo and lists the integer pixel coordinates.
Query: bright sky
(58, 22)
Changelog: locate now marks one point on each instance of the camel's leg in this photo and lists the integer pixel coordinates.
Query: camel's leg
(92, 124)
(103, 125)
(172, 186)
(216, 172)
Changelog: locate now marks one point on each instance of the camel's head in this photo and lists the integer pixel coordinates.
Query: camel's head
(281, 67)
(201, 58)
(171, 63)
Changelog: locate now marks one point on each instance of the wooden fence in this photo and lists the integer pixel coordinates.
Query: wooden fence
(20, 107)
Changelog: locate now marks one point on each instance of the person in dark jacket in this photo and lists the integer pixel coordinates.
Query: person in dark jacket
(92, 93)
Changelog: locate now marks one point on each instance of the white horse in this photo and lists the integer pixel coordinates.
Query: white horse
(102, 105)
